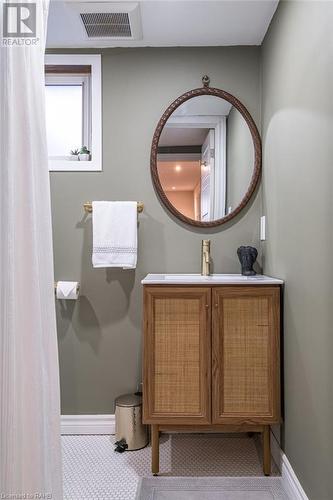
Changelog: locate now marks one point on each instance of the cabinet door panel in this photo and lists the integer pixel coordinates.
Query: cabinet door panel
(177, 349)
(246, 355)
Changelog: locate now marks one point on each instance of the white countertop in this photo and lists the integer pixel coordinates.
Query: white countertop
(213, 279)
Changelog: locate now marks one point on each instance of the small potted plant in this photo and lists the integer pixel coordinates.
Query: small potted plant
(74, 154)
(84, 154)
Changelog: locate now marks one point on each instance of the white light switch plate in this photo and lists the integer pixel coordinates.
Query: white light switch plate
(263, 228)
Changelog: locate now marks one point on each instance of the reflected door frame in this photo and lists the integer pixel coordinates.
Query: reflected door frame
(207, 170)
(219, 174)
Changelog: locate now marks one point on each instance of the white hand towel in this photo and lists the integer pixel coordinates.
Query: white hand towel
(115, 238)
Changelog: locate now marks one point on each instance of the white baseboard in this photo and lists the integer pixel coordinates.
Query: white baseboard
(87, 424)
(289, 479)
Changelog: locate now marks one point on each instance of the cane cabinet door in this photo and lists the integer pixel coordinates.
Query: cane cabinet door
(245, 355)
(177, 355)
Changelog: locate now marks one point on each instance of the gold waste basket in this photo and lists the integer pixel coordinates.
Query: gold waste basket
(131, 434)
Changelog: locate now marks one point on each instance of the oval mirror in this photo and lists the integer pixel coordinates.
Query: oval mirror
(206, 157)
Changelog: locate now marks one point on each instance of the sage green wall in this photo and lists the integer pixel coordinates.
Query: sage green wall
(297, 123)
(100, 334)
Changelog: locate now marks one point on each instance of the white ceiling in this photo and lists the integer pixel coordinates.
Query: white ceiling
(172, 23)
(203, 105)
(183, 136)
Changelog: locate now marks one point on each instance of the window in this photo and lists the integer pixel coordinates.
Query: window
(73, 111)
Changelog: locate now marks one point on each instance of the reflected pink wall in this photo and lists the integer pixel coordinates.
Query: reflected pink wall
(183, 201)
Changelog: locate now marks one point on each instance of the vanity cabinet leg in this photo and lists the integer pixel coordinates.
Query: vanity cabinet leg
(155, 449)
(267, 450)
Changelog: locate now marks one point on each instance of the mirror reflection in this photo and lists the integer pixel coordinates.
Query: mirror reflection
(205, 158)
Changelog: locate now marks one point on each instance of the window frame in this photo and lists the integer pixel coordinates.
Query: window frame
(75, 80)
(92, 107)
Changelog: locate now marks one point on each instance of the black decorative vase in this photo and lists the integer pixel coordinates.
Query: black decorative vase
(247, 257)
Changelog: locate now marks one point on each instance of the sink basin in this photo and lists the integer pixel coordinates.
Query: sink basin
(213, 279)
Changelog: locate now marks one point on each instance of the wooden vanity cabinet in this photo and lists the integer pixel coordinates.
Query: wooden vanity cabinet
(245, 355)
(211, 359)
(177, 355)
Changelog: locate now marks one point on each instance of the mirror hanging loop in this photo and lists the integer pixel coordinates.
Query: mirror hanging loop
(205, 81)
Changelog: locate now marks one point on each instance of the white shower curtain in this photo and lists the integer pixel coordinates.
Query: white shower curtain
(30, 450)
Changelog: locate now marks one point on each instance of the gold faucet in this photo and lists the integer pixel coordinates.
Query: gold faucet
(205, 257)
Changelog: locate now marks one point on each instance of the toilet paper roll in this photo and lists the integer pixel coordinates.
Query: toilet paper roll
(67, 290)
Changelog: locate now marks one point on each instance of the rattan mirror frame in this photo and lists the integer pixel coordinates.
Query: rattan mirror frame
(257, 154)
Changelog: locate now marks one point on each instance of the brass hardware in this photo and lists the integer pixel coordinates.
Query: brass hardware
(205, 257)
(88, 206)
(205, 81)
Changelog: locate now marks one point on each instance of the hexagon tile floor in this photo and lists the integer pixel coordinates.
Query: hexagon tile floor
(93, 471)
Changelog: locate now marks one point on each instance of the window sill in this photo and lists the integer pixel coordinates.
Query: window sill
(75, 166)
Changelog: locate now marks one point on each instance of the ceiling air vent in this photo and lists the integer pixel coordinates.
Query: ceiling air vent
(107, 24)
(110, 20)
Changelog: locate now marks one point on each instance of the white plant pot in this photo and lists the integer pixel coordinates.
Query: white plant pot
(73, 157)
(84, 157)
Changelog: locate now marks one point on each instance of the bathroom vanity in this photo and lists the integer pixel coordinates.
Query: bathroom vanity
(211, 343)
(211, 357)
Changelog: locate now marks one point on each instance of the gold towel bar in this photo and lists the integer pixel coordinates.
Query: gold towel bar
(88, 206)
